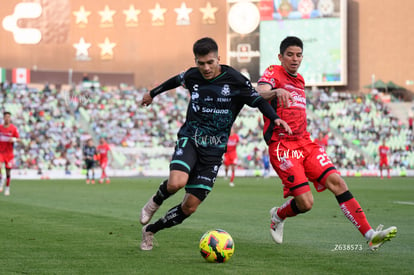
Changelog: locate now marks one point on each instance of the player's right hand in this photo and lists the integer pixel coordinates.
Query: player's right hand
(146, 100)
(284, 98)
(281, 122)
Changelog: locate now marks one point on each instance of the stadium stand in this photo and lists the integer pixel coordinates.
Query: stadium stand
(54, 124)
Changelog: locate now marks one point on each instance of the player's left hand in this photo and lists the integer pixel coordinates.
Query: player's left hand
(146, 99)
(281, 122)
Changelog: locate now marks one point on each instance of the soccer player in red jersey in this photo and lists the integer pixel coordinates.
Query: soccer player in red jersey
(297, 159)
(384, 151)
(8, 136)
(230, 157)
(103, 150)
(322, 140)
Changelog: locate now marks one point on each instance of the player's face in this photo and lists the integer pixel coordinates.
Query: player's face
(208, 65)
(291, 59)
(7, 119)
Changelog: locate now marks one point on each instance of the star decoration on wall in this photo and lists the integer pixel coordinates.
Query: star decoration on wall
(158, 15)
(82, 49)
(209, 14)
(131, 14)
(107, 49)
(82, 15)
(183, 14)
(106, 15)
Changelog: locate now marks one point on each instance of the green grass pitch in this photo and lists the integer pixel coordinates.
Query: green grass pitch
(68, 227)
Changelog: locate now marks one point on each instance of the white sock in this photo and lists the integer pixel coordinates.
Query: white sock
(369, 234)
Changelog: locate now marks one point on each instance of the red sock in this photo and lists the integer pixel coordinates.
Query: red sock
(232, 176)
(353, 211)
(288, 209)
(103, 173)
(8, 182)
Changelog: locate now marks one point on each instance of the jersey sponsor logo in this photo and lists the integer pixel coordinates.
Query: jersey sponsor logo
(195, 87)
(204, 178)
(204, 140)
(300, 101)
(215, 111)
(226, 90)
(255, 93)
(224, 99)
(267, 74)
(194, 95)
(208, 99)
(195, 107)
(287, 154)
(291, 87)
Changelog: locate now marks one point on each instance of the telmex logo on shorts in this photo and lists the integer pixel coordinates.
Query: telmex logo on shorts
(24, 11)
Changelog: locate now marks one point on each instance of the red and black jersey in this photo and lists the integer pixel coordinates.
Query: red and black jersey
(6, 135)
(295, 114)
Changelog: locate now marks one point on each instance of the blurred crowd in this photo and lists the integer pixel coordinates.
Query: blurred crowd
(54, 123)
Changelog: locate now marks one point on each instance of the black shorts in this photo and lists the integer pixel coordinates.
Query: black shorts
(89, 163)
(202, 169)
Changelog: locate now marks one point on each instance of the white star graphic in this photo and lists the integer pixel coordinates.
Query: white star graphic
(107, 47)
(208, 12)
(106, 15)
(82, 15)
(183, 13)
(157, 13)
(131, 14)
(82, 47)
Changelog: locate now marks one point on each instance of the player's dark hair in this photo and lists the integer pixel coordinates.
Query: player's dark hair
(290, 41)
(6, 113)
(204, 46)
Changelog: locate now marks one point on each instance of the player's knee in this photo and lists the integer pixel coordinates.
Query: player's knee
(305, 205)
(336, 184)
(188, 209)
(174, 185)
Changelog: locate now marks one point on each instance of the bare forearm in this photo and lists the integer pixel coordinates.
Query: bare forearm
(266, 91)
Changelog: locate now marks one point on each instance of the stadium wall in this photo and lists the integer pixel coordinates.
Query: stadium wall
(379, 39)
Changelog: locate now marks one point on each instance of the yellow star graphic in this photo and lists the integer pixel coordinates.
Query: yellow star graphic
(82, 47)
(107, 47)
(131, 14)
(157, 13)
(208, 12)
(81, 15)
(183, 13)
(106, 15)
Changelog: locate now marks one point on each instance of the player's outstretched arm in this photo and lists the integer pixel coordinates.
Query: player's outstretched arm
(283, 96)
(170, 84)
(146, 99)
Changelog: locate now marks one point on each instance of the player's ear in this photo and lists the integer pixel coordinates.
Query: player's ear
(218, 58)
(280, 56)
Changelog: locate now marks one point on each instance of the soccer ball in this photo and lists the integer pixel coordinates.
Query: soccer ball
(216, 246)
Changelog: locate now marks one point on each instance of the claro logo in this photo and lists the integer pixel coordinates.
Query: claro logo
(24, 11)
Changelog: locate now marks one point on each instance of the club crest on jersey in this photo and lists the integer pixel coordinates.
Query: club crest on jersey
(226, 90)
